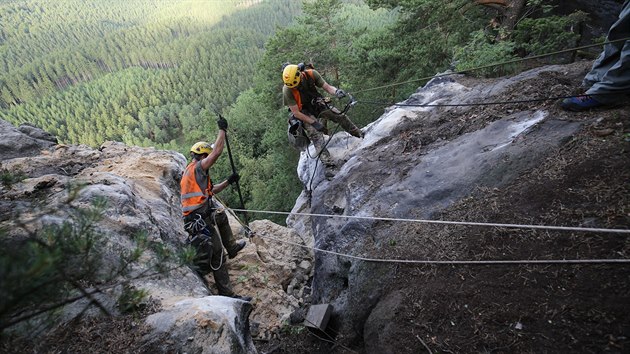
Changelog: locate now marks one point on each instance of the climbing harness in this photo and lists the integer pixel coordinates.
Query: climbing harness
(198, 231)
(326, 102)
(195, 226)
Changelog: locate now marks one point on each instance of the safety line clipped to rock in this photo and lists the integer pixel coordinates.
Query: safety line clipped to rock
(447, 222)
(492, 65)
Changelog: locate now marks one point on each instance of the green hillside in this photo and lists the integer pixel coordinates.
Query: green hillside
(134, 71)
(154, 72)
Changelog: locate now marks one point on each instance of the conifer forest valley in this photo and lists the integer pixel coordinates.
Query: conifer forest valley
(159, 73)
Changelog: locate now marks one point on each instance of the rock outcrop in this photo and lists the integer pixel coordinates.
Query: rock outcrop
(415, 162)
(141, 187)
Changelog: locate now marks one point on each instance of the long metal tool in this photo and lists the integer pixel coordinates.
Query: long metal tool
(238, 187)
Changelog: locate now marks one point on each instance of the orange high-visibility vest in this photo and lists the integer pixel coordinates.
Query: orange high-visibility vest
(193, 195)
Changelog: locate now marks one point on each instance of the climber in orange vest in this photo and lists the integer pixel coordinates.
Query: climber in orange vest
(205, 220)
(307, 105)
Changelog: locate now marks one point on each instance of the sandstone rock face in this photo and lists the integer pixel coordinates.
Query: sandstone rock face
(212, 324)
(413, 162)
(141, 186)
(275, 269)
(28, 141)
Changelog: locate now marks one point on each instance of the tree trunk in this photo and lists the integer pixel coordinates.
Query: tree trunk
(513, 13)
(510, 10)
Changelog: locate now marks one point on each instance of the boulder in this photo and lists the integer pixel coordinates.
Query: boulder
(208, 325)
(23, 141)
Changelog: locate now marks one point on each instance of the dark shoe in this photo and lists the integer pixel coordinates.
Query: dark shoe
(580, 103)
(244, 298)
(358, 133)
(239, 246)
(326, 159)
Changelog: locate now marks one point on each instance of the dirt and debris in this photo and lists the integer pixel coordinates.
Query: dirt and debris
(98, 335)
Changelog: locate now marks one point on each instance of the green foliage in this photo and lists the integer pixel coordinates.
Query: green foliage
(420, 43)
(187, 256)
(146, 72)
(132, 299)
(42, 271)
(291, 330)
(9, 178)
(482, 50)
(63, 262)
(537, 32)
(532, 34)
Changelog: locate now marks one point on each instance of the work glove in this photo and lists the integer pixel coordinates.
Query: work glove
(318, 126)
(222, 123)
(234, 177)
(340, 93)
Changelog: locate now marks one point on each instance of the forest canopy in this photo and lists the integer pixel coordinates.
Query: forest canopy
(157, 72)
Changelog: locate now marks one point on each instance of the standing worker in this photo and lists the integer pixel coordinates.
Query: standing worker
(306, 104)
(609, 78)
(205, 220)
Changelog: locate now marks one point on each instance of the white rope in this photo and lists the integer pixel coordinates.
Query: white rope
(445, 222)
(486, 262)
(452, 262)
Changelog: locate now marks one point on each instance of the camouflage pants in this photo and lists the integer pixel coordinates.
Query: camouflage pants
(334, 115)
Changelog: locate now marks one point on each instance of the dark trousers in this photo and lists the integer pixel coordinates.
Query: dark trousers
(210, 256)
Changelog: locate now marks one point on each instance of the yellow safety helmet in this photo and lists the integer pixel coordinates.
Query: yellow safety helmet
(291, 75)
(201, 147)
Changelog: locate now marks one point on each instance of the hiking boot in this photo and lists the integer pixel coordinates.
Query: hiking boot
(244, 298)
(239, 246)
(580, 103)
(358, 133)
(326, 159)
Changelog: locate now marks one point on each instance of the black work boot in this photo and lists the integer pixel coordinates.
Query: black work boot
(238, 246)
(326, 159)
(357, 133)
